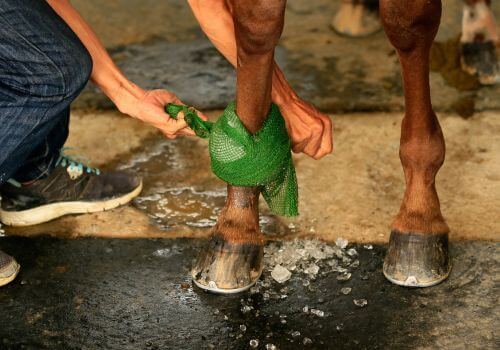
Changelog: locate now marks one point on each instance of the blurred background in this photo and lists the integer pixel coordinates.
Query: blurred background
(159, 43)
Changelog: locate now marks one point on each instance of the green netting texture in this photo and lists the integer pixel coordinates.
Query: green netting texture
(240, 158)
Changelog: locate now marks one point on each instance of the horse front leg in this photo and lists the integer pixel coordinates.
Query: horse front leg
(232, 261)
(418, 247)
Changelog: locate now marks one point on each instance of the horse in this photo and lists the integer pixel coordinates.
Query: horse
(247, 33)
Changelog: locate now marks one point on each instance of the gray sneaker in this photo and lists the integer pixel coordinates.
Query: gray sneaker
(71, 188)
(9, 268)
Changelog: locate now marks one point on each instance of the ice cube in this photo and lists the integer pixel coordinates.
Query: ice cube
(313, 269)
(360, 302)
(280, 274)
(352, 252)
(344, 277)
(341, 242)
(345, 290)
(318, 313)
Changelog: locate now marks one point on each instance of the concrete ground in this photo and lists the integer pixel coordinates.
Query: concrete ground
(353, 193)
(136, 294)
(93, 292)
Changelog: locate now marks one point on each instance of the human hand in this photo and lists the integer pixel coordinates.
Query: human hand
(149, 107)
(310, 130)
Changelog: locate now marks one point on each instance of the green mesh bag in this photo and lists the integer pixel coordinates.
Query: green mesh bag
(240, 158)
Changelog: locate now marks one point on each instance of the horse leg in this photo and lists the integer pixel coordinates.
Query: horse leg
(357, 18)
(232, 261)
(478, 42)
(418, 247)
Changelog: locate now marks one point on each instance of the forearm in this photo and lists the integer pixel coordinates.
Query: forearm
(221, 33)
(105, 74)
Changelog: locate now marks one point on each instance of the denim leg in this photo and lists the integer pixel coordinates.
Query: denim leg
(43, 68)
(43, 159)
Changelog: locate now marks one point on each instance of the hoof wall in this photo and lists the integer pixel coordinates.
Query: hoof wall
(417, 260)
(479, 58)
(227, 268)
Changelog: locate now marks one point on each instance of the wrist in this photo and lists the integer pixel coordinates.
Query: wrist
(282, 92)
(126, 95)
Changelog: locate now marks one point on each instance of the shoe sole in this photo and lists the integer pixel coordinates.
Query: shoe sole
(6, 280)
(53, 211)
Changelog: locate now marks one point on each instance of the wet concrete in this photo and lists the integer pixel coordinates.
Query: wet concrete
(335, 73)
(182, 197)
(136, 294)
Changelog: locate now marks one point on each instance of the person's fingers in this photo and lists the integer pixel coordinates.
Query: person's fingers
(174, 125)
(298, 147)
(326, 145)
(186, 132)
(313, 146)
(180, 116)
(169, 136)
(316, 130)
(201, 115)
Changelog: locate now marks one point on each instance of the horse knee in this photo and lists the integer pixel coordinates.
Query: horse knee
(259, 24)
(409, 23)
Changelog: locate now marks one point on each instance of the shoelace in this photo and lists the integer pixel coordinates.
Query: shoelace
(75, 161)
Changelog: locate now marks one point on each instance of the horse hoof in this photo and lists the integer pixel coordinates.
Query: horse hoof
(479, 58)
(357, 20)
(417, 260)
(226, 268)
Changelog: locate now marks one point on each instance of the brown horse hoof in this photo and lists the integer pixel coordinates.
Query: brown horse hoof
(480, 59)
(357, 20)
(417, 260)
(226, 268)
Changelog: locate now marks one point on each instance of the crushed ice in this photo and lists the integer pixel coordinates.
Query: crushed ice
(301, 261)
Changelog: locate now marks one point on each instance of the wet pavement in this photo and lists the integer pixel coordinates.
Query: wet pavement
(137, 294)
(179, 192)
(182, 197)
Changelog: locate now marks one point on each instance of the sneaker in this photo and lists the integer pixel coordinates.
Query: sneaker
(9, 269)
(71, 188)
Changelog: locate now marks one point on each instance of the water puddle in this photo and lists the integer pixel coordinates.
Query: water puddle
(179, 187)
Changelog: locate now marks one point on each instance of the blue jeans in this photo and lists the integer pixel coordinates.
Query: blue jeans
(43, 68)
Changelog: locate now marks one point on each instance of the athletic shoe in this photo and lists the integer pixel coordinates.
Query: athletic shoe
(71, 188)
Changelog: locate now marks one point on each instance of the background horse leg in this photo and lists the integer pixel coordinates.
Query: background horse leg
(478, 42)
(232, 261)
(357, 18)
(418, 248)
